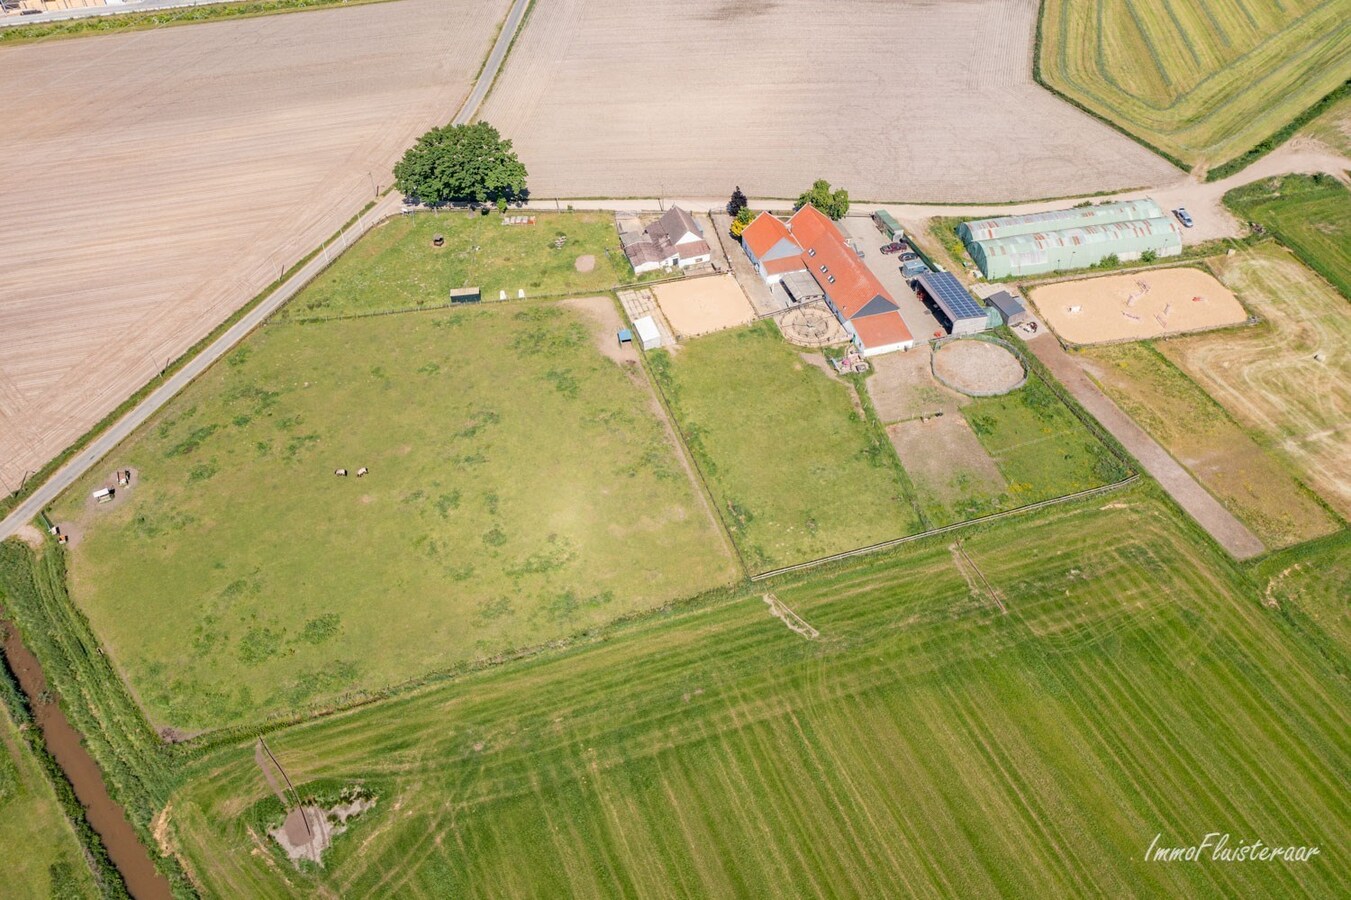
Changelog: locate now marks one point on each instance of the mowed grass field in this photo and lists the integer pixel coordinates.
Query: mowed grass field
(522, 487)
(1205, 81)
(794, 466)
(1287, 381)
(925, 744)
(42, 856)
(396, 267)
(1333, 127)
(1259, 488)
(1310, 214)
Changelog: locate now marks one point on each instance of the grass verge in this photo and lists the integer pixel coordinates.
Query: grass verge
(114, 22)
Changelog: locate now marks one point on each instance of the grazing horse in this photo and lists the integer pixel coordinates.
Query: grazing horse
(341, 473)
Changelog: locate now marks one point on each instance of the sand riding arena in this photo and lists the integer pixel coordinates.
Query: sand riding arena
(703, 305)
(978, 367)
(1137, 306)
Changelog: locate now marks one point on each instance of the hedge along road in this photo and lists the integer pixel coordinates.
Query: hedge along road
(388, 205)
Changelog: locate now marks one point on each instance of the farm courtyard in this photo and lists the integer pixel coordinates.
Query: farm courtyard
(523, 486)
(934, 102)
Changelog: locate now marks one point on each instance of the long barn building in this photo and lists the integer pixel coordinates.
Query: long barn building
(1038, 243)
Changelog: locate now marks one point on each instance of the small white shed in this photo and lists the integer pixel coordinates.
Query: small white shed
(648, 335)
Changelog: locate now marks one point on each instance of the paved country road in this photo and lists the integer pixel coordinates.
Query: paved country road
(120, 430)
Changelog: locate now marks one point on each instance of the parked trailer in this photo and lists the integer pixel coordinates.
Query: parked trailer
(890, 228)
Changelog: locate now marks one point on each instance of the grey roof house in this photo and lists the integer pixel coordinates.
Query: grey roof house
(675, 239)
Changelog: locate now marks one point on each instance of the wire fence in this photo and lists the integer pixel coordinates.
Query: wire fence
(979, 520)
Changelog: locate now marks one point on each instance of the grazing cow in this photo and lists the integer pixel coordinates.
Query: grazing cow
(341, 473)
(362, 471)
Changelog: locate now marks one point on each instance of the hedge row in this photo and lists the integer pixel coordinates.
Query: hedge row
(1238, 163)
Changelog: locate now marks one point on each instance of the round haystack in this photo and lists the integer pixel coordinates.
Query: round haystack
(585, 263)
(978, 368)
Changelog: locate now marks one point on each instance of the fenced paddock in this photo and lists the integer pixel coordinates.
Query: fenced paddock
(979, 366)
(696, 306)
(1137, 305)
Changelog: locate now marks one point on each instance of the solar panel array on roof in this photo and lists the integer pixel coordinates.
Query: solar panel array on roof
(948, 293)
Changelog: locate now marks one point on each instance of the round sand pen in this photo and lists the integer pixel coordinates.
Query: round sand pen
(811, 326)
(978, 367)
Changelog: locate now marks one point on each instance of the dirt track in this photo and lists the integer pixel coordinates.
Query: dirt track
(1228, 531)
(158, 180)
(911, 100)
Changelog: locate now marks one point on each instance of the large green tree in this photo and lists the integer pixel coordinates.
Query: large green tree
(461, 162)
(833, 203)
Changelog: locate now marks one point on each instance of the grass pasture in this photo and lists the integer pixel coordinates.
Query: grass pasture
(1258, 488)
(43, 858)
(925, 744)
(1287, 381)
(1310, 214)
(1040, 447)
(796, 469)
(522, 487)
(396, 267)
(1203, 82)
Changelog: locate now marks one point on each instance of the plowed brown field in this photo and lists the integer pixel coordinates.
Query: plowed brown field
(155, 181)
(894, 100)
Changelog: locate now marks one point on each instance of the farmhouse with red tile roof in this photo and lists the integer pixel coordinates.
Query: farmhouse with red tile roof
(810, 241)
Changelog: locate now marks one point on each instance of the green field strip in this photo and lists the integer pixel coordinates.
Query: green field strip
(1147, 683)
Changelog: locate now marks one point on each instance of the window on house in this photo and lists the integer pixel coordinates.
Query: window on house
(831, 279)
(824, 268)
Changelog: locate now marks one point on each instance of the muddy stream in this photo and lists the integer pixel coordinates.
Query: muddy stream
(107, 818)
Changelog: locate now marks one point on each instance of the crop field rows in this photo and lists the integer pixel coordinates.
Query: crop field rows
(1203, 82)
(1135, 687)
(160, 179)
(904, 100)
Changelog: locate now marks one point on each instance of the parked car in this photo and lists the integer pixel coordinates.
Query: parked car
(906, 257)
(1183, 216)
(891, 248)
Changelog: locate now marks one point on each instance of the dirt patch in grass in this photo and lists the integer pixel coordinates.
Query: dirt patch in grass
(309, 830)
(945, 459)
(585, 263)
(902, 386)
(30, 535)
(607, 324)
